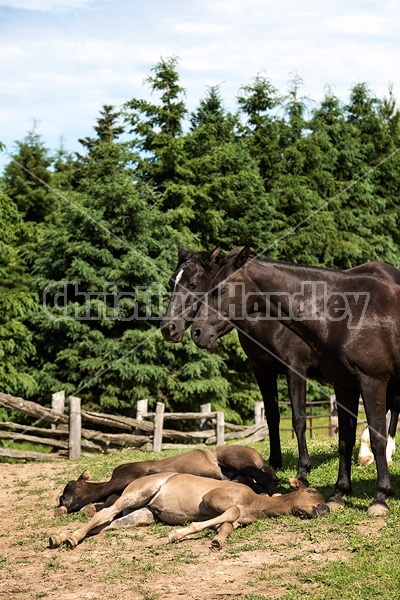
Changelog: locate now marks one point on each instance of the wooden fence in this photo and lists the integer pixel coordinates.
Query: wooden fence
(68, 435)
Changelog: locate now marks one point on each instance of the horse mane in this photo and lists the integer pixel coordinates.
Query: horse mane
(278, 263)
(203, 257)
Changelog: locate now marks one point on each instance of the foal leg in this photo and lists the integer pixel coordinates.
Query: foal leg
(347, 406)
(90, 509)
(231, 515)
(136, 495)
(224, 531)
(136, 518)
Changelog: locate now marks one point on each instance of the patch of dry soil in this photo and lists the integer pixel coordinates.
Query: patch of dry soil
(135, 564)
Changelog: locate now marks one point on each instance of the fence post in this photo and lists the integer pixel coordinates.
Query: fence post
(141, 410)
(259, 413)
(58, 406)
(204, 408)
(220, 428)
(158, 427)
(75, 427)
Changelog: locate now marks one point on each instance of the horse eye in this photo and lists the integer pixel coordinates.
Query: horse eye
(192, 285)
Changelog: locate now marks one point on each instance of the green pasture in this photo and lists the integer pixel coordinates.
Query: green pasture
(345, 554)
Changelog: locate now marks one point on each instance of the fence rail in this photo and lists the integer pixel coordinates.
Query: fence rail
(68, 435)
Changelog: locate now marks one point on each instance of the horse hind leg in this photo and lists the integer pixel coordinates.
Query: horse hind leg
(374, 397)
(224, 531)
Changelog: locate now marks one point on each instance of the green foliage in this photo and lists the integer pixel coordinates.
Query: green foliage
(298, 181)
(16, 303)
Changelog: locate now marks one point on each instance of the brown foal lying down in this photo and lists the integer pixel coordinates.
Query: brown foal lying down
(222, 462)
(176, 498)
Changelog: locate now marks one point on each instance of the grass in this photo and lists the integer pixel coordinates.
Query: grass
(345, 554)
(367, 557)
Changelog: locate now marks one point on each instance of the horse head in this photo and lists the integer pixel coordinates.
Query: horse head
(230, 298)
(74, 496)
(188, 285)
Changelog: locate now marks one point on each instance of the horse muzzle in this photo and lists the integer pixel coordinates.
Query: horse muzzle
(204, 338)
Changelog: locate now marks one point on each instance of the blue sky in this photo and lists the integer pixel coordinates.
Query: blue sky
(61, 60)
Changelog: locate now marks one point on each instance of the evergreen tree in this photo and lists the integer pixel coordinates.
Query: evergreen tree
(111, 237)
(16, 306)
(262, 128)
(226, 189)
(27, 178)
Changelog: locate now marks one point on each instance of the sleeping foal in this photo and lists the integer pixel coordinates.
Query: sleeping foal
(175, 498)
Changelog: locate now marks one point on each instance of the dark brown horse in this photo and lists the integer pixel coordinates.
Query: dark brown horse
(349, 320)
(281, 352)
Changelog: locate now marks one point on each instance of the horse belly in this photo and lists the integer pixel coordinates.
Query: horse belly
(177, 512)
(181, 499)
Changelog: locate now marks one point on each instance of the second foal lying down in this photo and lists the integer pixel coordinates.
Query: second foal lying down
(222, 462)
(175, 498)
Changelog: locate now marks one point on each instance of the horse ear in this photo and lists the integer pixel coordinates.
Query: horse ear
(85, 476)
(242, 257)
(213, 255)
(182, 253)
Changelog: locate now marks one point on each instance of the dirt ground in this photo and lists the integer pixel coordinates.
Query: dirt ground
(137, 563)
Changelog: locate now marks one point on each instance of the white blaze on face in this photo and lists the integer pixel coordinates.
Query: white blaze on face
(178, 278)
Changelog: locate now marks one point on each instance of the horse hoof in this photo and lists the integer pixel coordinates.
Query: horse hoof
(71, 543)
(320, 510)
(61, 511)
(89, 510)
(172, 537)
(378, 509)
(54, 541)
(216, 544)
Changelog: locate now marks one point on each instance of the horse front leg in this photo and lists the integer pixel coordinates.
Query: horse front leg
(268, 384)
(347, 406)
(231, 515)
(374, 397)
(297, 391)
(136, 496)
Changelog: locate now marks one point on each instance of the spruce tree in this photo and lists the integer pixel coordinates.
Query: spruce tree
(17, 305)
(226, 189)
(27, 178)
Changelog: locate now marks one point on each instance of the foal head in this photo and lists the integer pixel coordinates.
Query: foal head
(188, 284)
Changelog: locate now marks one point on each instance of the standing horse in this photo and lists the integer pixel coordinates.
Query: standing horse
(281, 353)
(349, 320)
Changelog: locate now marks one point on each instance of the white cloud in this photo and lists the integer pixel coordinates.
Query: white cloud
(61, 71)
